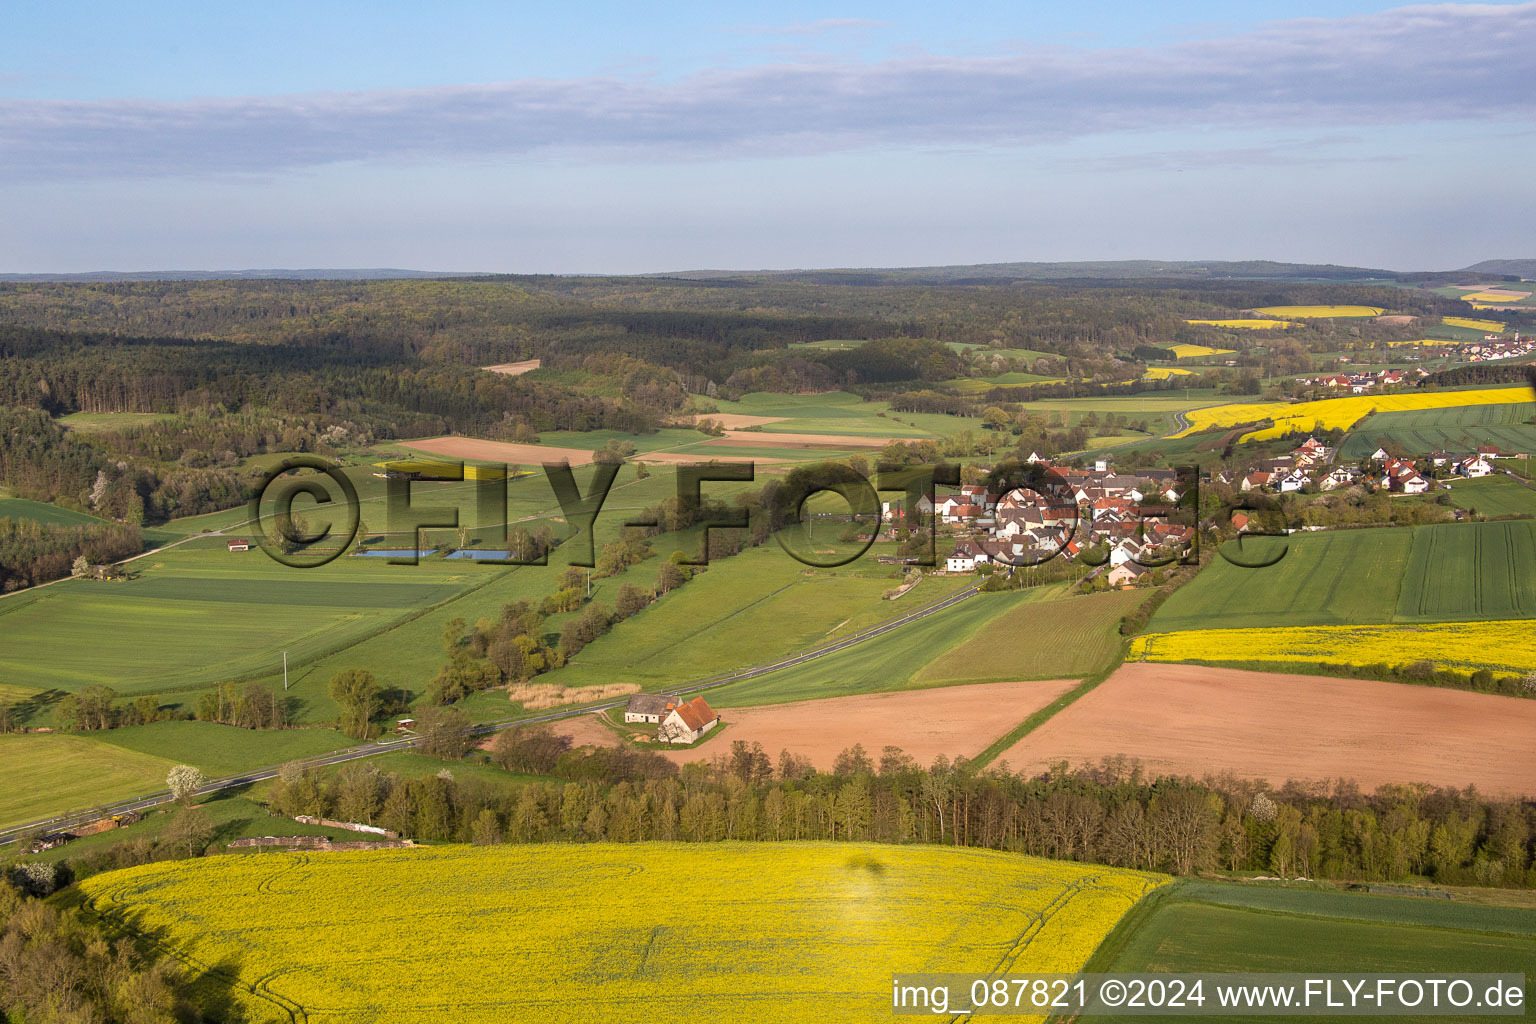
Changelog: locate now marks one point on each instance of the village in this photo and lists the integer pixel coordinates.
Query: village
(1493, 347)
(1124, 514)
(1122, 518)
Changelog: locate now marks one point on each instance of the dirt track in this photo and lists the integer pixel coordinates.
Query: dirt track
(514, 369)
(950, 720)
(1193, 720)
(736, 420)
(499, 451)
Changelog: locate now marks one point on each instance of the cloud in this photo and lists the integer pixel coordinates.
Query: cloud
(1403, 66)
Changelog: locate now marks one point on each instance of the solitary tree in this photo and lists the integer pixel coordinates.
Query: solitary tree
(191, 830)
(357, 693)
(184, 781)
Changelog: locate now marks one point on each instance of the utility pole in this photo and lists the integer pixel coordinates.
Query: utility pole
(285, 670)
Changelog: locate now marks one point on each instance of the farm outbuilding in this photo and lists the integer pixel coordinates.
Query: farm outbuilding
(650, 707)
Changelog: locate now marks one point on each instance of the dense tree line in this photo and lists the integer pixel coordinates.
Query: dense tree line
(1110, 814)
(57, 965)
(32, 552)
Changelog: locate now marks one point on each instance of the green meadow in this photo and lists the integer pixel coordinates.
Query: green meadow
(1030, 634)
(754, 607)
(52, 515)
(1457, 429)
(48, 774)
(1452, 572)
(1493, 496)
(1230, 927)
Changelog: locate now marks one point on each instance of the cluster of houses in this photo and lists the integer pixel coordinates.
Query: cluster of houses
(1311, 463)
(1360, 383)
(1088, 508)
(1494, 346)
(676, 720)
(1307, 463)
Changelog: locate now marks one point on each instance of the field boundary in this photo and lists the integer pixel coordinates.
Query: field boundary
(1040, 717)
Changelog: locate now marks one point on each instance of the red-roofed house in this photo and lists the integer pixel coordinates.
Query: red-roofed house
(687, 722)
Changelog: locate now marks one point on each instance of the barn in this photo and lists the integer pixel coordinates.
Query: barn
(650, 707)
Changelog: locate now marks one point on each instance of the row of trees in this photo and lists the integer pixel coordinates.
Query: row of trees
(1112, 814)
(32, 552)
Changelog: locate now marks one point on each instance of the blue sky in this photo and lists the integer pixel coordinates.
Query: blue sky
(606, 138)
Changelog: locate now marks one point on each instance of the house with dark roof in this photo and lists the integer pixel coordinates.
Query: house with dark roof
(650, 707)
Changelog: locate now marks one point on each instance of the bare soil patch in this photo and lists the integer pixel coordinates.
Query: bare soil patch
(951, 720)
(1196, 720)
(513, 369)
(735, 420)
(1396, 318)
(683, 458)
(499, 451)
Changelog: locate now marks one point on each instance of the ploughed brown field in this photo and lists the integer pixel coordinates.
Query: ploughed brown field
(949, 720)
(514, 369)
(1195, 720)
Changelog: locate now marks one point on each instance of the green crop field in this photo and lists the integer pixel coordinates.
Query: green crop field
(985, 351)
(222, 749)
(835, 413)
(1209, 926)
(1454, 572)
(981, 385)
(1458, 430)
(48, 774)
(1470, 571)
(1495, 496)
(766, 938)
(1028, 634)
(200, 614)
(1062, 638)
(88, 421)
(53, 515)
(757, 606)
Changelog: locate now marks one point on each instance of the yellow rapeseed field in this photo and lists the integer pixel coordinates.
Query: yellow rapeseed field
(653, 931)
(1491, 326)
(1195, 351)
(1319, 312)
(1508, 646)
(1341, 413)
(1249, 325)
(1505, 300)
(1165, 372)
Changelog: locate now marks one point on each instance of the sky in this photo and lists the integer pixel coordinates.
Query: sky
(610, 138)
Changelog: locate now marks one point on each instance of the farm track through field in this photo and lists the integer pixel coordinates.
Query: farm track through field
(14, 832)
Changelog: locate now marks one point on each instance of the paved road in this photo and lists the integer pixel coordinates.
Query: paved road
(63, 823)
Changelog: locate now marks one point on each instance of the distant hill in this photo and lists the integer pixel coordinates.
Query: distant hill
(973, 273)
(1522, 268)
(382, 274)
(1098, 270)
